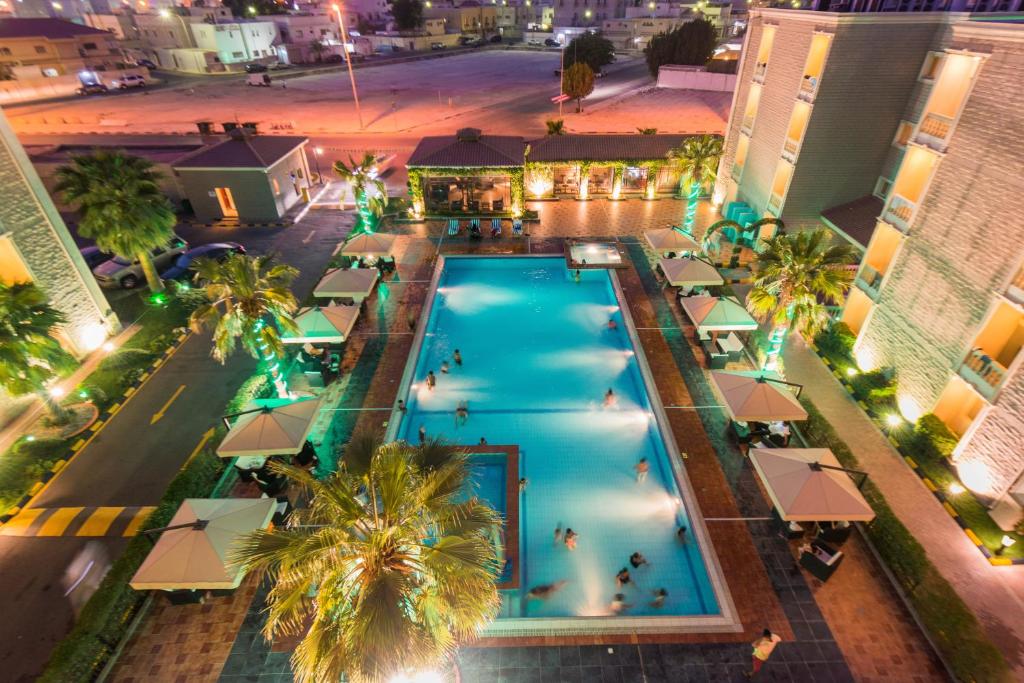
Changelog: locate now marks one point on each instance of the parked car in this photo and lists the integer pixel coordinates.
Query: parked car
(217, 251)
(93, 89)
(496, 38)
(259, 80)
(255, 68)
(127, 274)
(551, 42)
(148, 63)
(94, 257)
(129, 81)
(437, 46)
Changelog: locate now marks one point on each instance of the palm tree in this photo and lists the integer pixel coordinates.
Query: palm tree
(30, 357)
(361, 175)
(121, 206)
(697, 161)
(796, 276)
(248, 300)
(402, 564)
(318, 49)
(555, 126)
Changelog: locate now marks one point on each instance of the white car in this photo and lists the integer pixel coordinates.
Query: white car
(127, 274)
(129, 81)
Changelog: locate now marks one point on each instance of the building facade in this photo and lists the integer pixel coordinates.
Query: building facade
(916, 5)
(892, 129)
(53, 47)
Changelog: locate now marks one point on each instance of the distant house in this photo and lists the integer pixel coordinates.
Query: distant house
(251, 178)
(54, 47)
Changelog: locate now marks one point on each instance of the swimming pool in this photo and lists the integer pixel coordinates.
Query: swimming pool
(538, 356)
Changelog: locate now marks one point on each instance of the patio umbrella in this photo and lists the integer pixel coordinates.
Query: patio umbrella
(355, 283)
(692, 272)
(330, 324)
(670, 239)
(271, 427)
(195, 556)
(809, 485)
(369, 244)
(717, 314)
(756, 399)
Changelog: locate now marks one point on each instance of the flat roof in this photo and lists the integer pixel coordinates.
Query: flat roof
(47, 28)
(249, 151)
(623, 147)
(855, 220)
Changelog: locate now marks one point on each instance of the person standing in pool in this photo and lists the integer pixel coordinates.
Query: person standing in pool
(423, 433)
(619, 603)
(461, 414)
(457, 357)
(431, 380)
(612, 325)
(483, 441)
(642, 468)
(609, 398)
(622, 578)
(558, 533)
(577, 277)
(444, 367)
(637, 560)
(570, 539)
(660, 596)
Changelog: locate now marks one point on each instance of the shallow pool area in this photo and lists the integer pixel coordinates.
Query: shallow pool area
(540, 348)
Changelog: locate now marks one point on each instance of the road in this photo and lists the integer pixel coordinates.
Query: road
(129, 465)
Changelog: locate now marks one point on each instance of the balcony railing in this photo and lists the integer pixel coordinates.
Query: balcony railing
(900, 212)
(775, 203)
(760, 69)
(984, 373)
(869, 280)
(1016, 289)
(934, 131)
(808, 88)
(789, 149)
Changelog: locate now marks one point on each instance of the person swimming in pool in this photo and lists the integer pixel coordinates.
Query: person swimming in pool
(612, 325)
(660, 596)
(609, 398)
(637, 560)
(545, 591)
(461, 414)
(570, 539)
(431, 380)
(423, 433)
(577, 276)
(444, 367)
(457, 357)
(622, 578)
(619, 603)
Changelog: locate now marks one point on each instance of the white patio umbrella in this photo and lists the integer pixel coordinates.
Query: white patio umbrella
(354, 283)
(717, 314)
(195, 555)
(369, 244)
(327, 325)
(809, 485)
(756, 399)
(692, 272)
(270, 427)
(670, 239)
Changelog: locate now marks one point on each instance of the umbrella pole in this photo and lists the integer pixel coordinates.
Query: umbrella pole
(863, 475)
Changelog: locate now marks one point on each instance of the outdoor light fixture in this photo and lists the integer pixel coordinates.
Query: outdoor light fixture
(587, 14)
(108, 346)
(956, 489)
(164, 13)
(893, 420)
(850, 372)
(57, 392)
(1004, 543)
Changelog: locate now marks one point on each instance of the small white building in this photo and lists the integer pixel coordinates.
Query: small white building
(299, 32)
(238, 42)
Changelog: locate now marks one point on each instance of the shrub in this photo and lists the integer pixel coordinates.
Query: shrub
(257, 386)
(836, 344)
(932, 439)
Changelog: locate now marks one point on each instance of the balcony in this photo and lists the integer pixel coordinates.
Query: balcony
(790, 148)
(808, 88)
(775, 203)
(870, 281)
(748, 123)
(899, 212)
(983, 373)
(934, 131)
(1015, 292)
(760, 69)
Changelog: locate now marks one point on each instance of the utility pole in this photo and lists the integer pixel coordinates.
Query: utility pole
(561, 81)
(348, 60)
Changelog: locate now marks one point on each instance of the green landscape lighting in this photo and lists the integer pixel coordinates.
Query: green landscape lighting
(30, 438)
(158, 298)
(83, 394)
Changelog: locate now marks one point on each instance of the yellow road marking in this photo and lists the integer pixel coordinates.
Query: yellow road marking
(99, 521)
(137, 520)
(160, 413)
(58, 522)
(21, 522)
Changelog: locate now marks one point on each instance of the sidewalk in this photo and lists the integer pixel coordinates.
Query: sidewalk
(994, 594)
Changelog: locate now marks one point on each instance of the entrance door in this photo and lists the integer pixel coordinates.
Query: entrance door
(227, 202)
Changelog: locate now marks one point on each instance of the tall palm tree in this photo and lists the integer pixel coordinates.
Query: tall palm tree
(30, 357)
(362, 175)
(401, 562)
(121, 205)
(796, 276)
(248, 301)
(697, 161)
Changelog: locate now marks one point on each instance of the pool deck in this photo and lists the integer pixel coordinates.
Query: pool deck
(852, 628)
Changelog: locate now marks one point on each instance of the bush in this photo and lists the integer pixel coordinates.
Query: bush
(949, 622)
(722, 66)
(691, 43)
(932, 439)
(23, 465)
(836, 344)
(257, 386)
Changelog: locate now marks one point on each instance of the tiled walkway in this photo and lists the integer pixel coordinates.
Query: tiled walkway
(995, 594)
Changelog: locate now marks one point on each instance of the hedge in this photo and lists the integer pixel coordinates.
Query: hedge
(949, 622)
(105, 618)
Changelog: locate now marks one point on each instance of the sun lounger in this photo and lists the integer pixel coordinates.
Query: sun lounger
(453, 227)
(495, 227)
(517, 227)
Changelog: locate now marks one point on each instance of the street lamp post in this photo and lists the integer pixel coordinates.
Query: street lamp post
(165, 13)
(348, 60)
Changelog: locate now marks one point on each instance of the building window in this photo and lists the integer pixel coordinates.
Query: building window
(237, 55)
(89, 46)
(40, 50)
(903, 133)
(930, 70)
(882, 188)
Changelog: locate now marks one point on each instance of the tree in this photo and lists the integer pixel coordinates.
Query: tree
(647, 131)
(248, 300)
(402, 565)
(121, 205)
(697, 161)
(318, 49)
(796, 276)
(360, 175)
(691, 43)
(30, 357)
(408, 14)
(241, 8)
(555, 126)
(591, 49)
(577, 83)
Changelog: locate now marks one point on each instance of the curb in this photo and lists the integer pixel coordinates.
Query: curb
(101, 421)
(994, 560)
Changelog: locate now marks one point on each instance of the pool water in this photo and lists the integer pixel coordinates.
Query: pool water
(538, 357)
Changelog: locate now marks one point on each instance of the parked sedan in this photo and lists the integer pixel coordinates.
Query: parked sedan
(217, 251)
(127, 274)
(94, 257)
(93, 89)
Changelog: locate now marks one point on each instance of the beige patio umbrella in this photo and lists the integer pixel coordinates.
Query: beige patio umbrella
(327, 325)
(717, 314)
(809, 485)
(353, 283)
(195, 554)
(692, 272)
(270, 427)
(369, 244)
(670, 239)
(756, 398)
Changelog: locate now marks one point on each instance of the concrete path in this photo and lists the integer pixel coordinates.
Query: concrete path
(995, 594)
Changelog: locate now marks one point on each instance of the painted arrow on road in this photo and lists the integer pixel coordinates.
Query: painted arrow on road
(207, 435)
(163, 411)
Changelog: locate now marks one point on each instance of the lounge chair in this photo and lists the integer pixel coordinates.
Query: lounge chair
(517, 227)
(495, 227)
(453, 227)
(474, 228)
